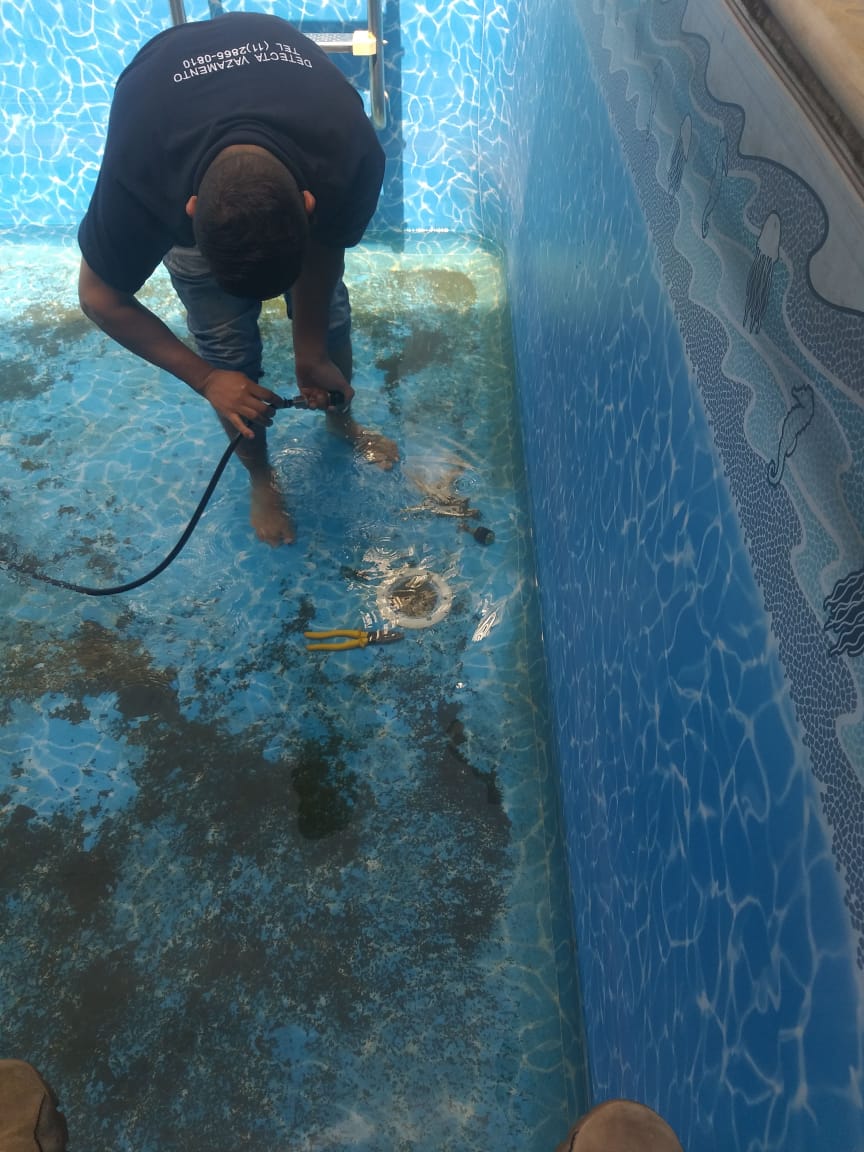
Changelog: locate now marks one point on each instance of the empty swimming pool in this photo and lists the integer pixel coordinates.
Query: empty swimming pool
(677, 241)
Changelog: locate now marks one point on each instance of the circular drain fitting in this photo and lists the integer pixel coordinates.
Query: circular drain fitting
(415, 599)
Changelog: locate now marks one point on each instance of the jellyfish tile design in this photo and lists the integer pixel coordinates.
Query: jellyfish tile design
(845, 608)
(762, 272)
(718, 175)
(679, 156)
(796, 420)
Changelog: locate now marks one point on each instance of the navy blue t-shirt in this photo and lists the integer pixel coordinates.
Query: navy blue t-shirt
(245, 78)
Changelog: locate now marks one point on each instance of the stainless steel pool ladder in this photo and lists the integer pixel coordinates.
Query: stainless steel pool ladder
(361, 42)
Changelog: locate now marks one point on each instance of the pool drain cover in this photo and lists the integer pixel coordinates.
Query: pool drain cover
(415, 599)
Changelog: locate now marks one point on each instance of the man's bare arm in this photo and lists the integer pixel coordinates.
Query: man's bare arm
(125, 319)
(122, 317)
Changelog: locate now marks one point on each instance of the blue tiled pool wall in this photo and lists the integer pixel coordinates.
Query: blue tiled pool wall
(57, 77)
(691, 411)
(447, 73)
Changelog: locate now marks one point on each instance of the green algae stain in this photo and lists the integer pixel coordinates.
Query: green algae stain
(440, 288)
(19, 380)
(420, 348)
(45, 341)
(94, 660)
(232, 893)
(439, 305)
(51, 329)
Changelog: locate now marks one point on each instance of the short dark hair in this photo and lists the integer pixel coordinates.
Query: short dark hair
(250, 224)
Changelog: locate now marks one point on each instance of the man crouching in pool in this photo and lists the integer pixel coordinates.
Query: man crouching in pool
(241, 157)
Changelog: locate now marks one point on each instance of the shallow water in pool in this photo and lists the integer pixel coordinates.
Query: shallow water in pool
(250, 891)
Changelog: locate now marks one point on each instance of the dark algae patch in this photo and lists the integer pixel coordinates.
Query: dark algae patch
(254, 898)
(326, 790)
(247, 890)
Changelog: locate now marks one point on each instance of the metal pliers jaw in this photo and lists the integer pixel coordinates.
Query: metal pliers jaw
(351, 638)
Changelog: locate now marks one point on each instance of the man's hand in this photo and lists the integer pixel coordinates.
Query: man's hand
(239, 400)
(317, 381)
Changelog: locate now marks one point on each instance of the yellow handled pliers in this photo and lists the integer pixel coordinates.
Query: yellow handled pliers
(353, 638)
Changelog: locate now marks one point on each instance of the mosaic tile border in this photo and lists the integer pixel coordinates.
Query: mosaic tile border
(788, 351)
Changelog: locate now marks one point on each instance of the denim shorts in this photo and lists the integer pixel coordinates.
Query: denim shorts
(225, 327)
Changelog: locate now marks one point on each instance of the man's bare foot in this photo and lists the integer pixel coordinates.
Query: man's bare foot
(372, 446)
(269, 516)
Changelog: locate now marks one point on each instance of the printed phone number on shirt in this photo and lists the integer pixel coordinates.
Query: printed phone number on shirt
(235, 57)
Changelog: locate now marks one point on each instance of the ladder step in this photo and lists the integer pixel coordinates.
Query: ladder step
(332, 41)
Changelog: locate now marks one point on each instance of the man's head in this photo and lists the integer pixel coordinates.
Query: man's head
(251, 222)
(29, 1118)
(620, 1126)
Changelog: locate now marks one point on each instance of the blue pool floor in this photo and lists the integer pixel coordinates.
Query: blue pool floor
(249, 892)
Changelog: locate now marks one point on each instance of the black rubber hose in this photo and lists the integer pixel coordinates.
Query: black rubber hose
(337, 401)
(172, 555)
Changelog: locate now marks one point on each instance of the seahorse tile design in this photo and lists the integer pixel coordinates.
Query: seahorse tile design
(797, 358)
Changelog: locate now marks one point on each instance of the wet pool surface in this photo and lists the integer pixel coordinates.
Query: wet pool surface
(251, 892)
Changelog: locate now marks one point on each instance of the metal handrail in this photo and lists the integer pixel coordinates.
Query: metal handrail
(337, 42)
(377, 92)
